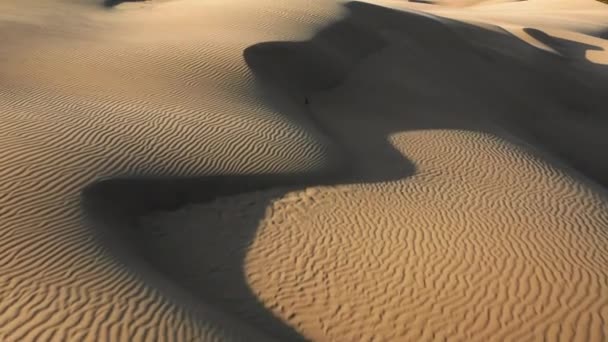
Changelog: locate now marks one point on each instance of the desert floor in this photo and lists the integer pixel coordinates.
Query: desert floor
(383, 170)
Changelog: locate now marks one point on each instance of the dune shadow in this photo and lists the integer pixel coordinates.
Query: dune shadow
(565, 47)
(459, 67)
(120, 202)
(112, 3)
(602, 34)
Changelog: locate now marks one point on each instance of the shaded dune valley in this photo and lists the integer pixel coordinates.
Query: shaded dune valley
(186, 170)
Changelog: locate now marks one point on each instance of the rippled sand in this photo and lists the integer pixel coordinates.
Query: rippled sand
(327, 170)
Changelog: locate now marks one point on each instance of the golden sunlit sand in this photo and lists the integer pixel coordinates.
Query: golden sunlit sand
(206, 170)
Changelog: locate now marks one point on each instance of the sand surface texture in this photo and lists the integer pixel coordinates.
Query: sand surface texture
(321, 170)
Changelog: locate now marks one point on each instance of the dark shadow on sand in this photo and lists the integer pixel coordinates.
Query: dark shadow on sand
(112, 3)
(300, 70)
(566, 48)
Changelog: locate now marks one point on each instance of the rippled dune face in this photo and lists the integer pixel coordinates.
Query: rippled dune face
(452, 224)
(89, 93)
(364, 172)
(484, 251)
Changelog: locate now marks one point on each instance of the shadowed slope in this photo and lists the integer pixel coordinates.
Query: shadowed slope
(112, 3)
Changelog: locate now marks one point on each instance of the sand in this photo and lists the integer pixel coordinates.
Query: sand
(280, 170)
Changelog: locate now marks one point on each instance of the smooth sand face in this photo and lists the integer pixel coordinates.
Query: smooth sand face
(365, 172)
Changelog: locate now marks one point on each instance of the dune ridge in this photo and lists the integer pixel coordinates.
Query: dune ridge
(405, 195)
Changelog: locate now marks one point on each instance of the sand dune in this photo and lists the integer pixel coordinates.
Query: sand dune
(252, 170)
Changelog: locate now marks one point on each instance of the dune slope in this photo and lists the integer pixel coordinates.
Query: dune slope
(464, 216)
(365, 170)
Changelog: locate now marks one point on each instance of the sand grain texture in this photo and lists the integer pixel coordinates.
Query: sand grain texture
(222, 170)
